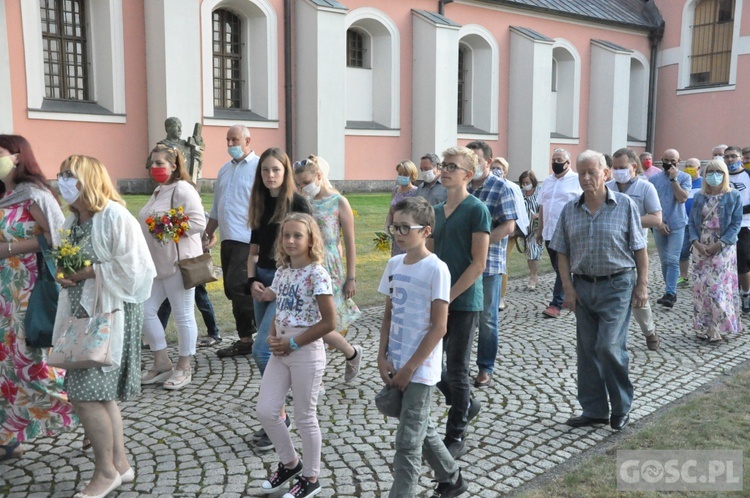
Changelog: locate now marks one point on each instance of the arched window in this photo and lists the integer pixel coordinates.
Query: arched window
(478, 80)
(711, 49)
(565, 81)
(372, 72)
(227, 57)
(638, 98)
(65, 52)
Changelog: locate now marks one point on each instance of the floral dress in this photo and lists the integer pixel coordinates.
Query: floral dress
(326, 213)
(395, 199)
(716, 301)
(94, 384)
(33, 401)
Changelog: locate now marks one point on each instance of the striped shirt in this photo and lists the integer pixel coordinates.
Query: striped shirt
(602, 243)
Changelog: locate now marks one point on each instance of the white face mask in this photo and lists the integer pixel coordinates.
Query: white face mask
(528, 187)
(311, 190)
(6, 166)
(719, 157)
(68, 189)
(428, 176)
(621, 175)
(478, 175)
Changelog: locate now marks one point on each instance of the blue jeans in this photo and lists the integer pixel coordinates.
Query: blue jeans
(416, 437)
(602, 320)
(265, 311)
(488, 324)
(558, 296)
(457, 345)
(685, 251)
(669, 247)
(203, 302)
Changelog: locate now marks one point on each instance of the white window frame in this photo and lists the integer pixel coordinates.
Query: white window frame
(260, 62)
(643, 61)
(686, 44)
(576, 106)
(106, 52)
(388, 76)
(485, 61)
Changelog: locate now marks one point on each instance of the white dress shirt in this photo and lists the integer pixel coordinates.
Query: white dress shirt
(555, 194)
(232, 198)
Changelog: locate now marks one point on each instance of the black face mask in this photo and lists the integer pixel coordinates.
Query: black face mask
(558, 168)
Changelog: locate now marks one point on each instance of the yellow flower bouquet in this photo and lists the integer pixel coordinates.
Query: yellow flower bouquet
(68, 257)
(168, 226)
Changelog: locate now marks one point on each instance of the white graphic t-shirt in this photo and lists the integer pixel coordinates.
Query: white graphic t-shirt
(412, 288)
(296, 288)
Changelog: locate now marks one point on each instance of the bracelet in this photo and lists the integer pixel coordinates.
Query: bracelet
(10, 250)
(293, 344)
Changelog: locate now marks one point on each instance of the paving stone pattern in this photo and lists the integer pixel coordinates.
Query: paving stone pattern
(195, 442)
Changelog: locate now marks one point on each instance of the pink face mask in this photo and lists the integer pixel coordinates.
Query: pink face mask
(646, 163)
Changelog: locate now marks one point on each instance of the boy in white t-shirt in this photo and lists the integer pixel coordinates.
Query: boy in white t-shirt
(417, 288)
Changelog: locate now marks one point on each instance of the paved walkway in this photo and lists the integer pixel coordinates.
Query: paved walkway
(192, 443)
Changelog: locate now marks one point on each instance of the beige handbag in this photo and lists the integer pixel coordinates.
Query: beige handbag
(83, 342)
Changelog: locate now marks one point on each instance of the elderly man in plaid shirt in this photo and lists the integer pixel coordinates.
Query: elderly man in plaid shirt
(600, 242)
(498, 198)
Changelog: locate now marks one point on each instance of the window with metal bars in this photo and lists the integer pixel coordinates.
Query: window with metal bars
(355, 48)
(65, 51)
(227, 55)
(711, 52)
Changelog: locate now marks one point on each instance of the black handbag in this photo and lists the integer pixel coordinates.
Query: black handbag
(39, 321)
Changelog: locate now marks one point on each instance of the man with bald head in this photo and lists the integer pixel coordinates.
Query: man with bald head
(229, 214)
(673, 187)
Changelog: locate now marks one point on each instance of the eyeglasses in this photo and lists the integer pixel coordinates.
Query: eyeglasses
(731, 156)
(716, 171)
(450, 167)
(65, 175)
(300, 164)
(403, 229)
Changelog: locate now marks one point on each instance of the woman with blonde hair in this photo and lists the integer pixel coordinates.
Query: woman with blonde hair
(110, 238)
(715, 220)
(32, 400)
(175, 191)
(407, 173)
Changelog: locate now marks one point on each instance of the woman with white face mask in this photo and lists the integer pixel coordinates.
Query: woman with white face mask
(528, 183)
(37, 404)
(407, 173)
(334, 215)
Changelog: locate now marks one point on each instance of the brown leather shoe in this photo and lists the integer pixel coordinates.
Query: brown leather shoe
(652, 342)
(484, 379)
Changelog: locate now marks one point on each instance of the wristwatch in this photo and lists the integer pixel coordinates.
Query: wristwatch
(293, 344)
(673, 179)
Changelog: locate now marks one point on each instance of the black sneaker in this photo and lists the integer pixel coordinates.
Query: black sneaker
(236, 349)
(280, 477)
(662, 299)
(263, 443)
(669, 300)
(745, 303)
(474, 407)
(303, 488)
(456, 447)
(448, 490)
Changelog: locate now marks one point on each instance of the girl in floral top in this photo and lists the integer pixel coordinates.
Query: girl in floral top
(305, 312)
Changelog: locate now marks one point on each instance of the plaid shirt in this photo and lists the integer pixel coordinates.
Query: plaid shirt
(601, 244)
(498, 198)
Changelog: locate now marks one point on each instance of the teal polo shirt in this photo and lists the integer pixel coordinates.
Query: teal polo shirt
(452, 243)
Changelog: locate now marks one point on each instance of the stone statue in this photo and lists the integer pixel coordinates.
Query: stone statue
(192, 148)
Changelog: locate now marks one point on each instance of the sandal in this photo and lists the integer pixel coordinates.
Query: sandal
(10, 451)
(179, 379)
(207, 342)
(155, 376)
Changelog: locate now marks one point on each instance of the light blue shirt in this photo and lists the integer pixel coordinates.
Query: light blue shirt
(232, 198)
(672, 212)
(643, 193)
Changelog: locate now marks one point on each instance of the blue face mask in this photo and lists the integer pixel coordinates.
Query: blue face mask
(714, 178)
(403, 180)
(235, 151)
(735, 167)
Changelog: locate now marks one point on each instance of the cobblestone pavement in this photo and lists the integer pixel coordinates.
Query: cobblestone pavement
(194, 442)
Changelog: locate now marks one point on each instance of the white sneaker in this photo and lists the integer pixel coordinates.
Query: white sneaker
(352, 366)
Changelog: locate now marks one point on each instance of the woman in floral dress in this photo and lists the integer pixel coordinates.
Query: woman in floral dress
(33, 402)
(714, 224)
(407, 174)
(334, 215)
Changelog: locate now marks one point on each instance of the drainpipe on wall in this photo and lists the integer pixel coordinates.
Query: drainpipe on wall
(441, 6)
(288, 84)
(654, 37)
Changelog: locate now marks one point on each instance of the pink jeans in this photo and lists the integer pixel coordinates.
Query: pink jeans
(302, 371)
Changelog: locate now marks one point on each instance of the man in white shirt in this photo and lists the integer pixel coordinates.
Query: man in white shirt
(558, 189)
(229, 214)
